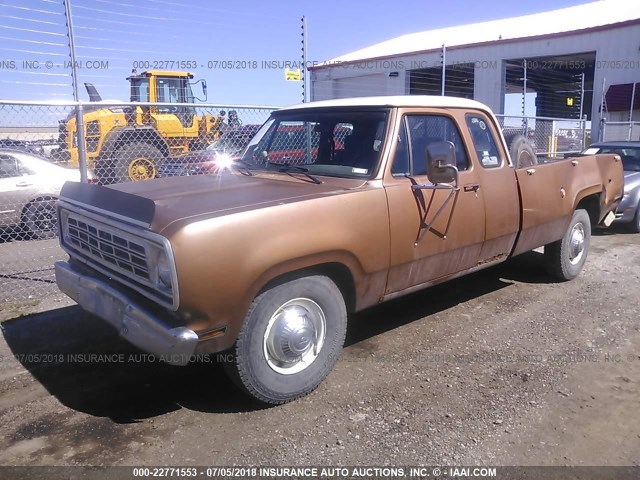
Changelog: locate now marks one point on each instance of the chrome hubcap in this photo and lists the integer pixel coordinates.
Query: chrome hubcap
(294, 336)
(576, 243)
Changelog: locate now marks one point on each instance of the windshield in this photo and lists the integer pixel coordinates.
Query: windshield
(33, 166)
(325, 142)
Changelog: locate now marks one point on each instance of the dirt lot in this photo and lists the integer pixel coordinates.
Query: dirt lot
(502, 367)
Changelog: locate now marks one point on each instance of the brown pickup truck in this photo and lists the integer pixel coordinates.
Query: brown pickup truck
(266, 260)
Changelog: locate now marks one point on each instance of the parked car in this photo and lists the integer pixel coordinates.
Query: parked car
(267, 261)
(22, 145)
(629, 210)
(227, 148)
(29, 188)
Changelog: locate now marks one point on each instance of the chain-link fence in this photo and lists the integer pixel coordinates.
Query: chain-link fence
(40, 151)
(550, 137)
(619, 131)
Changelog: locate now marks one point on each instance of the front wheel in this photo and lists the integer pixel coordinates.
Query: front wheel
(136, 161)
(40, 219)
(565, 258)
(291, 339)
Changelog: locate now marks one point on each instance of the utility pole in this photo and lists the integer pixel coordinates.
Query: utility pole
(305, 94)
(443, 56)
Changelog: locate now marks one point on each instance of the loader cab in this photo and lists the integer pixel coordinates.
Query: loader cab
(165, 86)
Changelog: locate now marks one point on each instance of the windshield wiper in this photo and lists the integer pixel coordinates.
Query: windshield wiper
(288, 168)
(245, 165)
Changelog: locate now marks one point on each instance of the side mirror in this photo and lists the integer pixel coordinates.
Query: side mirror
(441, 162)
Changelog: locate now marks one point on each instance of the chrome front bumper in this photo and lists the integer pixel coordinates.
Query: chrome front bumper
(136, 325)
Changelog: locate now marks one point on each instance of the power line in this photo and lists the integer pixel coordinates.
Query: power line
(29, 9)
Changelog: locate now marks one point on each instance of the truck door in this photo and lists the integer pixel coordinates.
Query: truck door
(499, 187)
(453, 242)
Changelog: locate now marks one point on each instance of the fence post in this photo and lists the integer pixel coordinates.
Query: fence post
(82, 152)
(584, 132)
(524, 87)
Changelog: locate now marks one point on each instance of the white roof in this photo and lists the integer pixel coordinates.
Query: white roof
(395, 101)
(589, 15)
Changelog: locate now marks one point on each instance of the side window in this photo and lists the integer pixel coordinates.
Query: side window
(400, 164)
(8, 167)
(483, 141)
(426, 129)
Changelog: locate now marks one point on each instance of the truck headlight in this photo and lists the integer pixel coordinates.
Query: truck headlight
(164, 270)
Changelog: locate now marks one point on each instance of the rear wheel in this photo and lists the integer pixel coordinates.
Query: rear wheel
(565, 258)
(290, 341)
(40, 218)
(136, 161)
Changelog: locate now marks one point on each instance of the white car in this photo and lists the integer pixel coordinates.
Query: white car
(29, 189)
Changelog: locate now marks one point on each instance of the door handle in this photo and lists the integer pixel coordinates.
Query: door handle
(472, 187)
(23, 184)
(531, 171)
(574, 162)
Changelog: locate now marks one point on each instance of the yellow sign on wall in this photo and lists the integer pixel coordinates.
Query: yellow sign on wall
(569, 101)
(293, 75)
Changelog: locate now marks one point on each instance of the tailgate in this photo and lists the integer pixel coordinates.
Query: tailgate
(612, 175)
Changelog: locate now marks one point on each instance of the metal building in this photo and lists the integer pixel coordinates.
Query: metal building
(572, 62)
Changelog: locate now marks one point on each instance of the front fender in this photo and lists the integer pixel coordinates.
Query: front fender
(224, 262)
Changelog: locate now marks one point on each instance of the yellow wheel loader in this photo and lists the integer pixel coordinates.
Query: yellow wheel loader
(128, 143)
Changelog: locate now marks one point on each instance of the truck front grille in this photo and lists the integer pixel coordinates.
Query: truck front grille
(108, 247)
(122, 255)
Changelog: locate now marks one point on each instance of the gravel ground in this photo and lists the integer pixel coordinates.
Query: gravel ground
(502, 367)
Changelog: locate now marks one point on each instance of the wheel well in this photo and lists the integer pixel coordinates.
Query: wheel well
(146, 135)
(591, 204)
(337, 272)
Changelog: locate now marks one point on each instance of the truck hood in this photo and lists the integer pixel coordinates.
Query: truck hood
(160, 202)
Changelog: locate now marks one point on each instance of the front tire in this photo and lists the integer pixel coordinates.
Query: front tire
(291, 339)
(136, 161)
(565, 258)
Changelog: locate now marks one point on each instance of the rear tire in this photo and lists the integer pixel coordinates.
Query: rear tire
(566, 257)
(291, 339)
(522, 153)
(136, 161)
